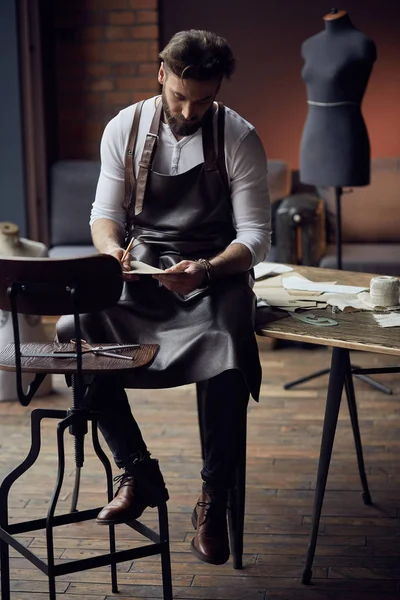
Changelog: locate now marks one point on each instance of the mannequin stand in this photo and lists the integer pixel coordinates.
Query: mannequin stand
(359, 374)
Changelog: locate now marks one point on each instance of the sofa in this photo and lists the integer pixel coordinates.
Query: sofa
(370, 222)
(72, 191)
(370, 214)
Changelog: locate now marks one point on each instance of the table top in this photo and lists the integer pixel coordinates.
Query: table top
(357, 330)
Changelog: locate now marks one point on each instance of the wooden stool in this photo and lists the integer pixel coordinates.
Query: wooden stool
(57, 287)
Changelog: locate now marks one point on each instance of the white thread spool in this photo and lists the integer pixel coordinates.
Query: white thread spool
(384, 290)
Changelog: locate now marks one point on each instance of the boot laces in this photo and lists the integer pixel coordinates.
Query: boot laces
(211, 508)
(125, 479)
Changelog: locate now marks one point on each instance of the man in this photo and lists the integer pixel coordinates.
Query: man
(186, 179)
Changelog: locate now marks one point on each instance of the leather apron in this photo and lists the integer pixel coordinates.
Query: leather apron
(202, 334)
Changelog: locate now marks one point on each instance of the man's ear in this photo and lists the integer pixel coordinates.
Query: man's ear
(161, 74)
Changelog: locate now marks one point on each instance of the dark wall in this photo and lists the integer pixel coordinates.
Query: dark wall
(267, 88)
(12, 191)
(106, 57)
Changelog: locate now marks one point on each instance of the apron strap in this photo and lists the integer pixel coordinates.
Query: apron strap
(130, 152)
(221, 145)
(211, 161)
(146, 162)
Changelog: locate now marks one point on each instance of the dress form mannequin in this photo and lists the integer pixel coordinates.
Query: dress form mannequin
(335, 149)
(31, 328)
(12, 245)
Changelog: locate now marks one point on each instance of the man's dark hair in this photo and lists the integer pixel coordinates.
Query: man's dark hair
(200, 55)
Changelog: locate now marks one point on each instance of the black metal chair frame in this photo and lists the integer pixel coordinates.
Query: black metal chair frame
(76, 421)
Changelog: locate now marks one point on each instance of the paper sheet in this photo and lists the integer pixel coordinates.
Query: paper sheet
(343, 301)
(270, 268)
(390, 319)
(294, 282)
(272, 291)
(304, 294)
(278, 297)
(275, 282)
(141, 268)
(361, 301)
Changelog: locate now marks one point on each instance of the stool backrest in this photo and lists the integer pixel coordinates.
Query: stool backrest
(97, 281)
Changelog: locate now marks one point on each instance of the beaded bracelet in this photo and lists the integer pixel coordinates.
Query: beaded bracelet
(207, 267)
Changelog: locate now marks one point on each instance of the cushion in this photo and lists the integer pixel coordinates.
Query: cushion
(71, 251)
(382, 259)
(72, 190)
(370, 213)
(73, 187)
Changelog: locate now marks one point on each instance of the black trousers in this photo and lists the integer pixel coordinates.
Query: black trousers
(224, 400)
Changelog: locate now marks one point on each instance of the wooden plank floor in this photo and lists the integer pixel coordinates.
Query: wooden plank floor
(358, 551)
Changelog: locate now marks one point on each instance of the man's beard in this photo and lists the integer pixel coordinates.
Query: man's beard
(178, 124)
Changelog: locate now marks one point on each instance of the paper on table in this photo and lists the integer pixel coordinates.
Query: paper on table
(141, 268)
(343, 301)
(273, 288)
(272, 291)
(279, 297)
(304, 294)
(294, 282)
(271, 282)
(390, 319)
(361, 301)
(269, 268)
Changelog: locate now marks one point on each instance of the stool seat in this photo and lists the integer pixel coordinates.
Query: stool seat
(91, 363)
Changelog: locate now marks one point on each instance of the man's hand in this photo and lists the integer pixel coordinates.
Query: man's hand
(189, 276)
(126, 265)
(107, 238)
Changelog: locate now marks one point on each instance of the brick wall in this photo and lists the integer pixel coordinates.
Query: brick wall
(106, 57)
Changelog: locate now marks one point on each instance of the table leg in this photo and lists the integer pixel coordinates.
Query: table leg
(351, 401)
(335, 388)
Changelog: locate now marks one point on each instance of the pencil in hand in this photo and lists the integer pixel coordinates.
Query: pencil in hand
(128, 249)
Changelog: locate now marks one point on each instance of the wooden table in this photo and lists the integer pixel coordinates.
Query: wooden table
(355, 331)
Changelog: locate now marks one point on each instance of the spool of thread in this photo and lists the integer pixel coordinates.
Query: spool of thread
(384, 290)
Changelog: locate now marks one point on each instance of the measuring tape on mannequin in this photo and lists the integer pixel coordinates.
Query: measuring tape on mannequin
(384, 291)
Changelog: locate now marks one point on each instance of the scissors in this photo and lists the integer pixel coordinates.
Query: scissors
(86, 347)
(104, 350)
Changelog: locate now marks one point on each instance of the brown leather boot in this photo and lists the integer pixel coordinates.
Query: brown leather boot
(210, 543)
(142, 487)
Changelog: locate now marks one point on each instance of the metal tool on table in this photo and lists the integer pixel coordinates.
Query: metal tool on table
(312, 319)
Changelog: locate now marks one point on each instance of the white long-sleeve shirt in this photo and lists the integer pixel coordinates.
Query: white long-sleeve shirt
(245, 163)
